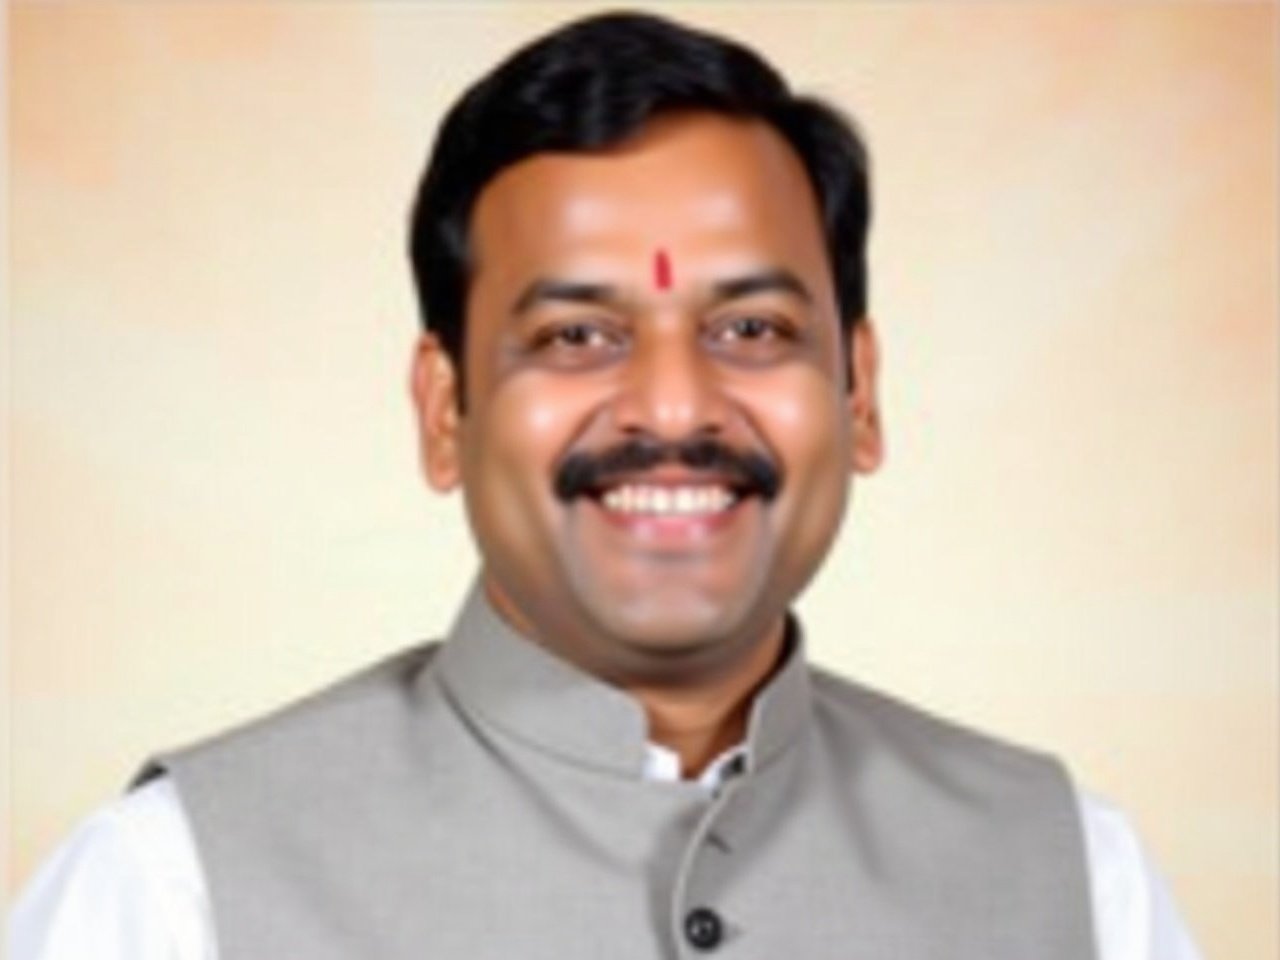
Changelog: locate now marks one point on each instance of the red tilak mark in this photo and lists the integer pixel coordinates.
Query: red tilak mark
(662, 270)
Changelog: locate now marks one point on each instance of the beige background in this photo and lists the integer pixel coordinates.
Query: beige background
(1074, 542)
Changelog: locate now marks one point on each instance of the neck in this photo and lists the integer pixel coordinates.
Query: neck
(701, 721)
(698, 720)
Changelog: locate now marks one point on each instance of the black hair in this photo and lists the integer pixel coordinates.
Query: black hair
(589, 85)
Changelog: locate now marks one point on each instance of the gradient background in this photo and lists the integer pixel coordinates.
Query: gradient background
(216, 504)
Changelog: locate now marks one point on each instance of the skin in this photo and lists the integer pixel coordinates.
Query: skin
(574, 342)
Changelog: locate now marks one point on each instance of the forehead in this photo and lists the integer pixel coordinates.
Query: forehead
(702, 186)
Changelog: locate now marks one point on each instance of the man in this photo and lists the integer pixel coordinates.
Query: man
(649, 369)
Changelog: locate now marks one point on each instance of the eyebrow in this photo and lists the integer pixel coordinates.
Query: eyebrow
(546, 290)
(778, 280)
(550, 290)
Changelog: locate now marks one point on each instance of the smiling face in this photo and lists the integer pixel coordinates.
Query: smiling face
(658, 433)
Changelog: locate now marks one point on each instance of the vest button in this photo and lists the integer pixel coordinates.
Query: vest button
(703, 928)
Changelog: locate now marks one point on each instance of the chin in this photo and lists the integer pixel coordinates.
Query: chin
(672, 623)
(685, 616)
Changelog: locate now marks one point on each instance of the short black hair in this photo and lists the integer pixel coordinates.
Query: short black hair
(589, 85)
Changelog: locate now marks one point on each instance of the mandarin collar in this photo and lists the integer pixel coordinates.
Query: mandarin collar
(535, 696)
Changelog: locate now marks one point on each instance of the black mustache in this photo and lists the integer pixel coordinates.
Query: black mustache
(584, 473)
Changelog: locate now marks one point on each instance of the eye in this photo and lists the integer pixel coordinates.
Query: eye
(749, 328)
(579, 335)
(576, 342)
(754, 337)
(572, 335)
(753, 330)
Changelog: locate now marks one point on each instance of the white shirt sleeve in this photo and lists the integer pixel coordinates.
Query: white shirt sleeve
(1134, 917)
(128, 886)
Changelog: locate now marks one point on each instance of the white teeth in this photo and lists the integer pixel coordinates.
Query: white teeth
(667, 501)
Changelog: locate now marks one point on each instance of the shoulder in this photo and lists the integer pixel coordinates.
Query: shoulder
(980, 792)
(864, 720)
(389, 680)
(356, 710)
(383, 724)
(126, 884)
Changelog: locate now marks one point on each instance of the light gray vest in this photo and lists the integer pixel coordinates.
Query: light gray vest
(482, 800)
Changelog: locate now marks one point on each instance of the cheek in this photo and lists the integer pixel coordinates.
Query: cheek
(524, 426)
(513, 438)
(800, 413)
(801, 416)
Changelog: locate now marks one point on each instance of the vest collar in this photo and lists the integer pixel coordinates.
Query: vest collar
(531, 694)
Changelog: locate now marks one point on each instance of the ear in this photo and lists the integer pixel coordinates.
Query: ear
(433, 383)
(864, 407)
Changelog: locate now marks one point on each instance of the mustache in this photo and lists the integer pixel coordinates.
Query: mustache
(747, 471)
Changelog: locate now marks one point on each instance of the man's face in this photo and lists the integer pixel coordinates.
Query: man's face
(670, 293)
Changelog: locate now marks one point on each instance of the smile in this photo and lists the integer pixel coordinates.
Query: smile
(667, 501)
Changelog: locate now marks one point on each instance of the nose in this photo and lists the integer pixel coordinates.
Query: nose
(671, 390)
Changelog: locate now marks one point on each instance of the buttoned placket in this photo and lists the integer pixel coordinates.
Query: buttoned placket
(510, 683)
(699, 925)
